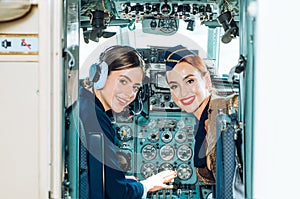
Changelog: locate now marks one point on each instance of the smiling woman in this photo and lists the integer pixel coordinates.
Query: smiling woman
(188, 78)
(120, 89)
(117, 76)
(188, 87)
(112, 84)
(191, 90)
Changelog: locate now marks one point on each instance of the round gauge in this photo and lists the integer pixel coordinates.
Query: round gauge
(180, 137)
(166, 9)
(124, 160)
(167, 136)
(149, 152)
(165, 166)
(153, 136)
(167, 152)
(184, 153)
(147, 169)
(181, 124)
(125, 133)
(167, 25)
(184, 171)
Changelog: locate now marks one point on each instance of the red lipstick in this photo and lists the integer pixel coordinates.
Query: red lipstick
(187, 101)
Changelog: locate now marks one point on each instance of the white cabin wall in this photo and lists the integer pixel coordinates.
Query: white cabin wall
(31, 118)
(276, 131)
(19, 105)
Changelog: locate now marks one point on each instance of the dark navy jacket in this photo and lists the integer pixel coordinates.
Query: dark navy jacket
(95, 119)
(206, 175)
(200, 153)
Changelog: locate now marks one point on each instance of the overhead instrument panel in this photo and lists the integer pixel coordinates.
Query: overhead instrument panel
(159, 17)
(139, 10)
(156, 16)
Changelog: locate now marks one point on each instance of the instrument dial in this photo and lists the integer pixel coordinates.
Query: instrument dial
(167, 152)
(148, 169)
(184, 153)
(184, 171)
(149, 152)
(167, 25)
(167, 136)
(124, 160)
(180, 137)
(125, 133)
(153, 136)
(166, 9)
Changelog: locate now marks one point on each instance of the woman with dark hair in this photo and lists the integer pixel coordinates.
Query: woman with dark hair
(113, 84)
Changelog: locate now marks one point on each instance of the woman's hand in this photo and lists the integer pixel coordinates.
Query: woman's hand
(158, 181)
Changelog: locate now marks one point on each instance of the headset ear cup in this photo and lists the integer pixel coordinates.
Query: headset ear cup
(103, 73)
(94, 73)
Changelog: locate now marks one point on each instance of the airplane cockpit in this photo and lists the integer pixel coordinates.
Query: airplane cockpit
(153, 133)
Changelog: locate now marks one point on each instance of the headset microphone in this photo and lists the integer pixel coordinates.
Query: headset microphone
(140, 104)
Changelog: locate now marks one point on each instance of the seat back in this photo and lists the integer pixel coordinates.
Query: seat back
(229, 182)
(95, 141)
(91, 161)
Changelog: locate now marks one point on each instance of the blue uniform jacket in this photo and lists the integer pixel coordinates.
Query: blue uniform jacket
(95, 119)
(200, 152)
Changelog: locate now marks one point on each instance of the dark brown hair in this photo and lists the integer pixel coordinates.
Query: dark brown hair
(121, 57)
(118, 57)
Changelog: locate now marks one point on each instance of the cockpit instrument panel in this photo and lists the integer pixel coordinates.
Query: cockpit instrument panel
(164, 142)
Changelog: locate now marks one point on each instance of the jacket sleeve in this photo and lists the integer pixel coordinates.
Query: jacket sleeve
(117, 186)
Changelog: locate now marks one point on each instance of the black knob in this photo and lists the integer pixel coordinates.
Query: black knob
(167, 97)
(153, 102)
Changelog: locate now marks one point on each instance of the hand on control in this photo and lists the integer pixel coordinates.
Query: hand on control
(158, 181)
